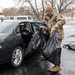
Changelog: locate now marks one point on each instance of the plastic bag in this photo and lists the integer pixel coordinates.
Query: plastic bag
(51, 47)
(36, 43)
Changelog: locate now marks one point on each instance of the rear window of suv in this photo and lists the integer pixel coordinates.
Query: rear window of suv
(21, 18)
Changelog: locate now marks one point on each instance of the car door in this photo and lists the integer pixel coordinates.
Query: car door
(18, 39)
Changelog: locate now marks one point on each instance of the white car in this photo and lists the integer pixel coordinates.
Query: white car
(23, 17)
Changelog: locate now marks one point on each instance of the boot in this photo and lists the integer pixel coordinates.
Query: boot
(55, 69)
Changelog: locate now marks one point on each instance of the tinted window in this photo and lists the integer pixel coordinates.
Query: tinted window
(29, 18)
(21, 18)
(11, 18)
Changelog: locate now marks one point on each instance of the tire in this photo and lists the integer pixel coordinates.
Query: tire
(16, 57)
(71, 47)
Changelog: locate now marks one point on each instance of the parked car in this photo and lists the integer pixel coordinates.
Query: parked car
(70, 46)
(21, 17)
(14, 40)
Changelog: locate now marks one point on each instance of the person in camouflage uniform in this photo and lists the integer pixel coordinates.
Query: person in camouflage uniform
(55, 23)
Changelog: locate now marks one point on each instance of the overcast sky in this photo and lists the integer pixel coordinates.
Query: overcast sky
(6, 3)
(10, 3)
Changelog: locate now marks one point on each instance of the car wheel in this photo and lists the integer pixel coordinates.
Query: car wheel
(17, 57)
(69, 47)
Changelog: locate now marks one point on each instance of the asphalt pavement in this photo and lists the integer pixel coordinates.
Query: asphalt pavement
(33, 65)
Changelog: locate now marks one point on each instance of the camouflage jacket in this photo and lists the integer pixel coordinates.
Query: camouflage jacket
(57, 21)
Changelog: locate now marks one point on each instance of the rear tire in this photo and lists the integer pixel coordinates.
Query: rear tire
(17, 57)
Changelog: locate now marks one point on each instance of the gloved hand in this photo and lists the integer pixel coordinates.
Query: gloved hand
(52, 30)
(42, 27)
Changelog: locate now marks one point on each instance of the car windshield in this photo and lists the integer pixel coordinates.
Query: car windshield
(5, 27)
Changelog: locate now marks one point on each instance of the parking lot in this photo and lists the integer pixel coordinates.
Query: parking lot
(33, 65)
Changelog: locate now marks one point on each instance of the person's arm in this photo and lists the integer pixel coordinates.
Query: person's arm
(45, 28)
(60, 22)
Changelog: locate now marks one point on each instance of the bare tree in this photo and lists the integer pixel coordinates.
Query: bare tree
(21, 11)
(34, 7)
(18, 11)
(10, 11)
(43, 9)
(61, 5)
